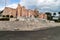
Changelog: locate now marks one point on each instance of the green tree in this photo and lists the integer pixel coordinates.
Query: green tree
(49, 16)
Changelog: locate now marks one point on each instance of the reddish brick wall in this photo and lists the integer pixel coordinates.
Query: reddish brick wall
(19, 10)
(22, 11)
(43, 16)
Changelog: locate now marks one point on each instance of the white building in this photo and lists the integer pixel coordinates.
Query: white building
(55, 15)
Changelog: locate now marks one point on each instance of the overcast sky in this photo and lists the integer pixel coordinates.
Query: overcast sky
(41, 5)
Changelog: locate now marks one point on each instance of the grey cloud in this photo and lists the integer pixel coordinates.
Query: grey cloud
(47, 5)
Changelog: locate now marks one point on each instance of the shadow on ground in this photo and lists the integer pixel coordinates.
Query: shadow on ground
(48, 34)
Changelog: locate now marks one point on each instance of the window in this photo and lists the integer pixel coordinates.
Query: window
(58, 12)
(3, 15)
(7, 15)
(11, 16)
(54, 14)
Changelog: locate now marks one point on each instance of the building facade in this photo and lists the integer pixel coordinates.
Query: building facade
(21, 11)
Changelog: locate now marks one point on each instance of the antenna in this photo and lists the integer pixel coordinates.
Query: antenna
(5, 3)
(19, 2)
(5, 6)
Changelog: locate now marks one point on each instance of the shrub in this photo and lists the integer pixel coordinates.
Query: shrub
(4, 19)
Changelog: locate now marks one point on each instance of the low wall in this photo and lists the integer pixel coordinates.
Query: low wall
(24, 25)
(12, 19)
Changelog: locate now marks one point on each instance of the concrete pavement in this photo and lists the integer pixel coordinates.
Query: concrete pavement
(47, 34)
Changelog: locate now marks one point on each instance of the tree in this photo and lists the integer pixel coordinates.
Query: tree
(59, 15)
(49, 16)
(1, 12)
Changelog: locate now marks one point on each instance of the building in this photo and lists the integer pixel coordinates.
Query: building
(55, 15)
(20, 11)
(9, 11)
(42, 16)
